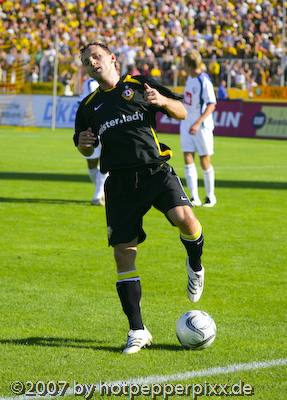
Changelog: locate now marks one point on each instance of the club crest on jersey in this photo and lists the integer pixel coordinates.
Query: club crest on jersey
(128, 93)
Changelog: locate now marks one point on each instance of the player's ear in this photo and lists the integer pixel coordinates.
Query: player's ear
(113, 58)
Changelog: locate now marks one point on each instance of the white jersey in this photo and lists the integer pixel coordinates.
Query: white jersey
(89, 86)
(198, 93)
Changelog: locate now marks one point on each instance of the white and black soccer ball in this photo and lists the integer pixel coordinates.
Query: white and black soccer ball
(196, 330)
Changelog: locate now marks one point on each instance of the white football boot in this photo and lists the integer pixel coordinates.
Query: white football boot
(196, 202)
(209, 201)
(136, 340)
(98, 202)
(195, 283)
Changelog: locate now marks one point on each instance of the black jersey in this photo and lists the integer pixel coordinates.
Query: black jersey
(125, 124)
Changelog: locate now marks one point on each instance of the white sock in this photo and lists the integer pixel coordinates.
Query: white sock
(99, 192)
(208, 178)
(93, 175)
(191, 180)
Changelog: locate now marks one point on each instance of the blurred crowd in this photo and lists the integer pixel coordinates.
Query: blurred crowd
(240, 41)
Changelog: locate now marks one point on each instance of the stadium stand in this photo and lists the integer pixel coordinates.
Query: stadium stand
(240, 42)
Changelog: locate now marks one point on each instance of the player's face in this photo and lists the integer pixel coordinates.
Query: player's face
(98, 63)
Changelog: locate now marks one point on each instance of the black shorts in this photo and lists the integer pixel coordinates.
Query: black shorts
(131, 193)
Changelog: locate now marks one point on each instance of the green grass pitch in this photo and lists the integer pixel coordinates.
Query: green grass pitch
(60, 317)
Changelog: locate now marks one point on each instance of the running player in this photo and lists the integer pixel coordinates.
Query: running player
(121, 115)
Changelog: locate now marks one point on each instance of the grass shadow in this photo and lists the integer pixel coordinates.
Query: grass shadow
(84, 178)
(62, 342)
(42, 176)
(82, 344)
(244, 184)
(43, 201)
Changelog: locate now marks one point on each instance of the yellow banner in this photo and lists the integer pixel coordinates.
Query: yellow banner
(274, 122)
(40, 88)
(270, 92)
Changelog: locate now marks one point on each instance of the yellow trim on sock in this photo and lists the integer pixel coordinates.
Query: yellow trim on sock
(128, 275)
(195, 236)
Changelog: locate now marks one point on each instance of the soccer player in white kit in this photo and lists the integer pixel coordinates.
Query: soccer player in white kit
(196, 131)
(98, 179)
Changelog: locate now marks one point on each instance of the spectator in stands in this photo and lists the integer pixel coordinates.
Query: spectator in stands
(34, 74)
(66, 79)
(240, 79)
(214, 70)
(155, 71)
(250, 29)
(166, 68)
(276, 78)
(222, 93)
(133, 71)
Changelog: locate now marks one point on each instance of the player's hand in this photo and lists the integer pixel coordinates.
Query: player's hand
(194, 128)
(152, 96)
(87, 138)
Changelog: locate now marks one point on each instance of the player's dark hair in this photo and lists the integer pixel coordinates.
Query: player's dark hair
(100, 44)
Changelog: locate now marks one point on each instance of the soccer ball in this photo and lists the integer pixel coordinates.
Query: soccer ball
(196, 330)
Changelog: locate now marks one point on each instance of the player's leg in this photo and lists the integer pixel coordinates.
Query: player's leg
(209, 181)
(174, 203)
(188, 148)
(205, 150)
(98, 180)
(129, 291)
(192, 237)
(92, 169)
(99, 197)
(96, 177)
(191, 178)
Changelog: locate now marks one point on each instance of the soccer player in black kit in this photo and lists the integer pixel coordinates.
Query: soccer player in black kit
(121, 115)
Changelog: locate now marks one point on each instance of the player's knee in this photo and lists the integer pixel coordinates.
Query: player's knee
(187, 222)
(124, 257)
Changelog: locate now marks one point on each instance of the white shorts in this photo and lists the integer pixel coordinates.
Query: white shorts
(96, 153)
(201, 143)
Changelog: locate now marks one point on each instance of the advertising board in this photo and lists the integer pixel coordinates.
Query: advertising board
(231, 117)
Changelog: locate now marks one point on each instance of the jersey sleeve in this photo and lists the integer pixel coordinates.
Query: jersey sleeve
(80, 125)
(162, 90)
(208, 93)
(165, 91)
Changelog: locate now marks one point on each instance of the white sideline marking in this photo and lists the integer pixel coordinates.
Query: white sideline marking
(177, 377)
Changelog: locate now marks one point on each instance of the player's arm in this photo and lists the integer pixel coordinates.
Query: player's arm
(174, 108)
(195, 127)
(209, 110)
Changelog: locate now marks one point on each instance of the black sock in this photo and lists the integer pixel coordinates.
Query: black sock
(130, 295)
(194, 251)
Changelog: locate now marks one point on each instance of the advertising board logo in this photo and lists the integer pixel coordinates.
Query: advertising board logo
(258, 91)
(259, 120)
